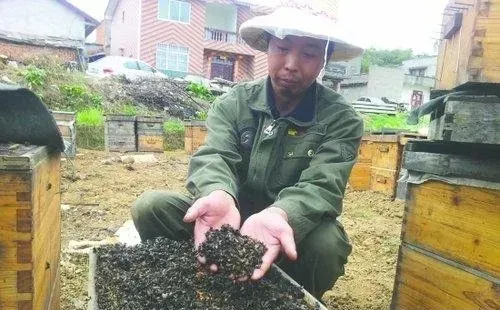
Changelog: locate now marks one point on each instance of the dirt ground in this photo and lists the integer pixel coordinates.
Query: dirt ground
(98, 189)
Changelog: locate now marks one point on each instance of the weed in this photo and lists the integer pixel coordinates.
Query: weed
(129, 109)
(78, 98)
(173, 134)
(201, 115)
(35, 77)
(200, 91)
(173, 126)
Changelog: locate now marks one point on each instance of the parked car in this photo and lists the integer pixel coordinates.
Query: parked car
(368, 100)
(131, 68)
(374, 105)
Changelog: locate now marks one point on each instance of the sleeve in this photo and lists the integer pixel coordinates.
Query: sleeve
(214, 165)
(320, 189)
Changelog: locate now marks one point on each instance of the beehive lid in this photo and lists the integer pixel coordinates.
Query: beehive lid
(15, 156)
(25, 119)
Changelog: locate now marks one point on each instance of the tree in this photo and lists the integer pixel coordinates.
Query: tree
(384, 58)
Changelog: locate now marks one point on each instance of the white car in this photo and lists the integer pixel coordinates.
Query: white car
(369, 100)
(131, 68)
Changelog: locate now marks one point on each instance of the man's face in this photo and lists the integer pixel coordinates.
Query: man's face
(294, 63)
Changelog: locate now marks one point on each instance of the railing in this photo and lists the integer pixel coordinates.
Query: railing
(419, 80)
(222, 36)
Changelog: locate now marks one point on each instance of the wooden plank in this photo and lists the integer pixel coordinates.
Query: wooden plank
(359, 179)
(487, 169)
(386, 155)
(457, 222)
(426, 281)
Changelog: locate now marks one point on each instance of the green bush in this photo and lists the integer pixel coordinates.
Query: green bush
(90, 117)
(173, 135)
(200, 91)
(35, 77)
(76, 97)
(201, 115)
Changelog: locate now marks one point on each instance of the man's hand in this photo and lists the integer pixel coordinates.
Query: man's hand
(270, 227)
(214, 210)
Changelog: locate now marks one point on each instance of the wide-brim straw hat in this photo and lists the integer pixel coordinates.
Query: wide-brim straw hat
(286, 21)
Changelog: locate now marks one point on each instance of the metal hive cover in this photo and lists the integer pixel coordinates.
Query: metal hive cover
(25, 119)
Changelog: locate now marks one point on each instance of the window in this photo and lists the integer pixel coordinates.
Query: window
(174, 10)
(130, 65)
(172, 57)
(144, 67)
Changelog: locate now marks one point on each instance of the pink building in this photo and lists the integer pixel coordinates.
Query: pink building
(180, 37)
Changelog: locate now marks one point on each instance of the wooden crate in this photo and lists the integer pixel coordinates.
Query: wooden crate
(383, 181)
(360, 177)
(450, 234)
(360, 174)
(428, 281)
(195, 135)
(29, 227)
(149, 134)
(66, 123)
(120, 133)
(470, 119)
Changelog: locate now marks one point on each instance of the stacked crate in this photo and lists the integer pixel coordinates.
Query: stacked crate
(361, 172)
(449, 256)
(386, 160)
(195, 135)
(149, 134)
(30, 227)
(119, 133)
(66, 123)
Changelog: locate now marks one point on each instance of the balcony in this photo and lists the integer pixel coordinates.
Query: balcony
(425, 81)
(222, 36)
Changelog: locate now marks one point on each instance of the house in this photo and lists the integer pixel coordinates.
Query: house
(419, 80)
(379, 82)
(410, 84)
(180, 38)
(55, 27)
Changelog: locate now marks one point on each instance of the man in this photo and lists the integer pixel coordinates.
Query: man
(277, 158)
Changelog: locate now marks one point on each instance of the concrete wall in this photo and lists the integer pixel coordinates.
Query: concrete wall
(353, 93)
(41, 18)
(125, 29)
(385, 82)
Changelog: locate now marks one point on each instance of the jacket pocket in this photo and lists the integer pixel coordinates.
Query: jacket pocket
(297, 153)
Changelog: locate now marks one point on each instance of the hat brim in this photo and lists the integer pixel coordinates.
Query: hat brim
(256, 31)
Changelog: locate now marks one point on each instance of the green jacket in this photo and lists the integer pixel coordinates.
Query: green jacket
(299, 163)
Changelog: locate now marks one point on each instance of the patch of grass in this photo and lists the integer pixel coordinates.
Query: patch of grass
(34, 77)
(379, 122)
(90, 117)
(173, 135)
(77, 97)
(201, 115)
(129, 109)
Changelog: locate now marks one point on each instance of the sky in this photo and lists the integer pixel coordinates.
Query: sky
(383, 24)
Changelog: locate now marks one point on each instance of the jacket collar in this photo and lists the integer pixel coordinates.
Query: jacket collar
(303, 115)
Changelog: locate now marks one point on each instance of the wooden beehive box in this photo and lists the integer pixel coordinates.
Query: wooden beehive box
(469, 48)
(469, 119)
(195, 135)
(149, 134)
(120, 133)
(29, 227)
(386, 160)
(449, 256)
(361, 171)
(66, 123)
